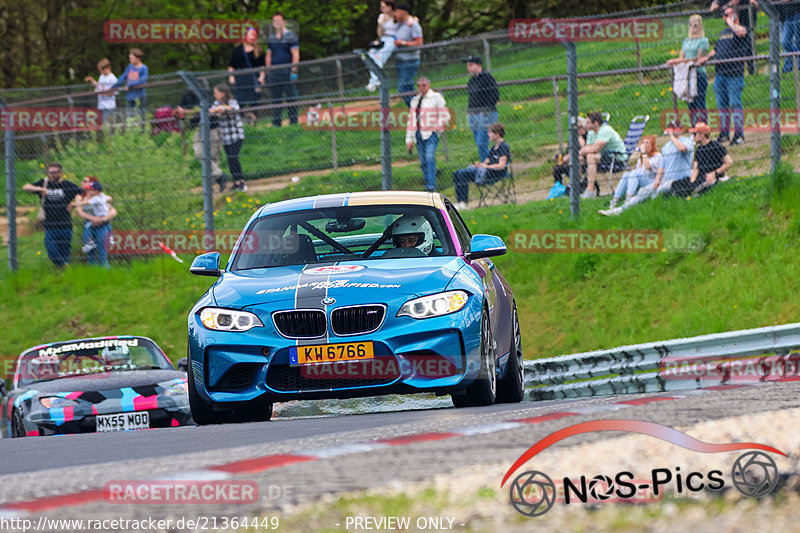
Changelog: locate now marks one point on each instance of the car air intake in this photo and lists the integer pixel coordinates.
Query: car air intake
(239, 376)
(300, 324)
(357, 319)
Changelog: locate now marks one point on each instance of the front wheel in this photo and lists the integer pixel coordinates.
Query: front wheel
(511, 389)
(483, 390)
(202, 412)
(17, 425)
(256, 410)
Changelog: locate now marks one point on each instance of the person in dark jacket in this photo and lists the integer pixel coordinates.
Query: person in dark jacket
(482, 104)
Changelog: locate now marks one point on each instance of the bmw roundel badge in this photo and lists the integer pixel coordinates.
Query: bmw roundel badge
(328, 301)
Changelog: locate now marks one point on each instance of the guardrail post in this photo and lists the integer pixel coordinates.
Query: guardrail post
(205, 132)
(334, 155)
(386, 140)
(572, 112)
(558, 116)
(11, 196)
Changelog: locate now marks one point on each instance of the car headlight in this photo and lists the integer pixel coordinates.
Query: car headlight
(440, 304)
(57, 402)
(228, 319)
(177, 389)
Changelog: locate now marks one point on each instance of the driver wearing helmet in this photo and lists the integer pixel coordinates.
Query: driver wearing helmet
(413, 232)
(116, 355)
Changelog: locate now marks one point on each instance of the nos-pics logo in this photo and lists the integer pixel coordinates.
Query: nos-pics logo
(532, 493)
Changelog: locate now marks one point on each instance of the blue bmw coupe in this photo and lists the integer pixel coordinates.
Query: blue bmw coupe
(349, 295)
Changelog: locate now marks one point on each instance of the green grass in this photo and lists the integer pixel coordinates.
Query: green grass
(745, 276)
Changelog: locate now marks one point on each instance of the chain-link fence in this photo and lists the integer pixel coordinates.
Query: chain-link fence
(315, 127)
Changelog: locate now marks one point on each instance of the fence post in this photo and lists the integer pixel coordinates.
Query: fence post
(340, 81)
(572, 112)
(796, 83)
(11, 196)
(386, 139)
(334, 155)
(639, 61)
(558, 116)
(205, 133)
(774, 82)
(487, 55)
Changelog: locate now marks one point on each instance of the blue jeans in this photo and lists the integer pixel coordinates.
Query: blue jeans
(381, 56)
(406, 70)
(100, 235)
(58, 243)
(426, 148)
(791, 41)
(282, 87)
(479, 124)
(697, 107)
(632, 181)
(136, 106)
(729, 102)
(462, 178)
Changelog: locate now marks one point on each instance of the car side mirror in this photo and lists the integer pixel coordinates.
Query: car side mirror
(183, 364)
(206, 265)
(485, 246)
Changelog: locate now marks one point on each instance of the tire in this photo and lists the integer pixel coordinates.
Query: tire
(511, 389)
(17, 426)
(256, 410)
(202, 412)
(482, 391)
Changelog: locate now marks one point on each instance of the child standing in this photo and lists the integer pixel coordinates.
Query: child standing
(106, 97)
(134, 78)
(96, 209)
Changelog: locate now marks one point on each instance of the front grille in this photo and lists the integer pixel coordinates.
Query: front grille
(357, 319)
(300, 324)
(288, 378)
(239, 376)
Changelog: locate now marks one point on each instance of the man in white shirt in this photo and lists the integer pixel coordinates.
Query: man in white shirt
(428, 116)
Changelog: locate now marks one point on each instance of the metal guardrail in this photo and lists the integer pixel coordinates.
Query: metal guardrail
(642, 368)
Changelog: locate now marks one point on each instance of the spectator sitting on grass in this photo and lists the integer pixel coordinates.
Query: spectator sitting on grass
(492, 169)
(561, 168)
(711, 161)
(676, 163)
(644, 173)
(603, 148)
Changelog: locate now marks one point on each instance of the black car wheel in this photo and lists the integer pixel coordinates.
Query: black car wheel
(483, 390)
(17, 426)
(257, 410)
(202, 412)
(511, 389)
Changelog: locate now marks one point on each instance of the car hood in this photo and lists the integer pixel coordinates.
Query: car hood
(352, 280)
(105, 381)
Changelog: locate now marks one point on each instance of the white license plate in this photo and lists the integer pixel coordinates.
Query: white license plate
(123, 421)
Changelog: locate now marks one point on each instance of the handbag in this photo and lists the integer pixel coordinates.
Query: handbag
(41, 215)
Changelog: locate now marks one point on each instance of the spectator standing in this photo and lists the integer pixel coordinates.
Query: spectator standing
(190, 105)
(746, 10)
(231, 131)
(676, 164)
(56, 195)
(283, 48)
(95, 207)
(694, 47)
(428, 117)
(106, 96)
(603, 148)
(134, 78)
(729, 83)
(482, 104)
(247, 55)
(406, 61)
(711, 161)
(789, 14)
(492, 169)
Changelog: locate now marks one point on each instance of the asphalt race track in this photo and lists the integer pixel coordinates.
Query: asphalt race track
(297, 460)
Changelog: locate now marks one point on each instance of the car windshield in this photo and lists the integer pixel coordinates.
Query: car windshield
(90, 356)
(353, 233)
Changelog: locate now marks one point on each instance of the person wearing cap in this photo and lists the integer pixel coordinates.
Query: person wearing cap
(482, 104)
(406, 61)
(676, 163)
(96, 209)
(729, 82)
(427, 118)
(711, 161)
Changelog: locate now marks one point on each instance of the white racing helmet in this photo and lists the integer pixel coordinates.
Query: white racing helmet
(414, 225)
(116, 355)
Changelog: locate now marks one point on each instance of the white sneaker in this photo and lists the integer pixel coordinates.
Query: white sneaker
(611, 212)
(613, 203)
(88, 247)
(461, 206)
(589, 194)
(372, 87)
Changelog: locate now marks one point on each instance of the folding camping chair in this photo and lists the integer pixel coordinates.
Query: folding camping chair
(502, 191)
(635, 132)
